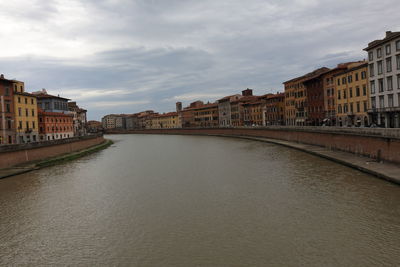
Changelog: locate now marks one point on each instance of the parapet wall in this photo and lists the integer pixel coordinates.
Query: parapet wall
(12, 155)
(376, 143)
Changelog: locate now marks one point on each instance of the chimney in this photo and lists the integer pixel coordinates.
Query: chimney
(388, 33)
(247, 92)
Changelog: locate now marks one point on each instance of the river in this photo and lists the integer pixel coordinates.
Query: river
(157, 200)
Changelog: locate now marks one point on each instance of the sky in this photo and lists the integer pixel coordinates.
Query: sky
(126, 56)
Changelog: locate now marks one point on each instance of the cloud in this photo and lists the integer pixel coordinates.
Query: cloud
(153, 53)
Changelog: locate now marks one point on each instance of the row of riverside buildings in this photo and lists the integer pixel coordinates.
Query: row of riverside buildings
(352, 94)
(37, 116)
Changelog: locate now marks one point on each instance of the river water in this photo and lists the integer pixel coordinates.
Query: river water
(153, 200)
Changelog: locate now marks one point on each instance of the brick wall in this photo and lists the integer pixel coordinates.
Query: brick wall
(18, 154)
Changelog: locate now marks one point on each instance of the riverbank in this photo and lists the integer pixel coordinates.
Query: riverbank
(35, 165)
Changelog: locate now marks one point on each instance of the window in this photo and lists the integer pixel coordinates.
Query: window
(398, 45)
(26, 112)
(33, 113)
(344, 80)
(389, 64)
(33, 125)
(338, 94)
(380, 85)
(344, 94)
(20, 125)
(373, 102)
(381, 101)
(351, 92)
(26, 100)
(19, 99)
(351, 108)
(27, 125)
(357, 91)
(398, 62)
(390, 100)
(389, 82)
(371, 55)
(350, 78)
(379, 52)
(356, 76)
(398, 82)
(338, 81)
(365, 105)
(358, 107)
(345, 109)
(371, 70)
(19, 112)
(363, 75)
(339, 109)
(380, 68)
(32, 101)
(388, 49)
(372, 87)
(7, 91)
(364, 90)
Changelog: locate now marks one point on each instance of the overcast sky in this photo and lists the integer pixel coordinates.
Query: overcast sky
(125, 56)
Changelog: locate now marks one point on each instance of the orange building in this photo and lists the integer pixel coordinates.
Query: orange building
(275, 109)
(296, 100)
(206, 115)
(55, 125)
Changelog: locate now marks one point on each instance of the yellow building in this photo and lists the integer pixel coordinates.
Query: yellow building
(26, 115)
(165, 121)
(352, 95)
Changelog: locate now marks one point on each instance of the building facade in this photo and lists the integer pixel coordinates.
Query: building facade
(352, 95)
(275, 109)
(224, 110)
(384, 80)
(7, 119)
(55, 125)
(26, 115)
(166, 121)
(296, 100)
(206, 115)
(80, 119)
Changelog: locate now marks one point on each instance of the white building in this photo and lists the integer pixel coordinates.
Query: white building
(384, 80)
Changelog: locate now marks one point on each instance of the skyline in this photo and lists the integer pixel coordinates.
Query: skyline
(128, 56)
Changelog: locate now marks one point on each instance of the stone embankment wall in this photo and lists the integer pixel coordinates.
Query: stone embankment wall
(376, 143)
(12, 155)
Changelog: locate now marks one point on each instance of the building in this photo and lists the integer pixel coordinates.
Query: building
(238, 117)
(7, 119)
(296, 100)
(187, 114)
(314, 85)
(26, 115)
(51, 103)
(253, 112)
(274, 109)
(94, 126)
(55, 125)
(206, 115)
(113, 121)
(80, 120)
(166, 121)
(329, 87)
(384, 80)
(224, 110)
(352, 95)
(132, 122)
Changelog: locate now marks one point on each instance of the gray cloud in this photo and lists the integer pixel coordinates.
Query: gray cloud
(122, 56)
